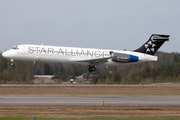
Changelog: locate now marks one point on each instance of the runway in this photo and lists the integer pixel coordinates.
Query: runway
(90, 100)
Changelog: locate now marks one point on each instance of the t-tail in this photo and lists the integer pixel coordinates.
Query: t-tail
(153, 44)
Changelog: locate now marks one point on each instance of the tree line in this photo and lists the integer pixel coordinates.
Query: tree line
(166, 69)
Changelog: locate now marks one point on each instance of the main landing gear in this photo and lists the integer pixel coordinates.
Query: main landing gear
(92, 69)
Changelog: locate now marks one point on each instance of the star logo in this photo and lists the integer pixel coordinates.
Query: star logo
(150, 46)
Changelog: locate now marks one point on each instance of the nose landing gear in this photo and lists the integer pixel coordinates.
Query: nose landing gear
(11, 62)
(92, 69)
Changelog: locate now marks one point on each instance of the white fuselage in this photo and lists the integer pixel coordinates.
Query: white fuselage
(69, 54)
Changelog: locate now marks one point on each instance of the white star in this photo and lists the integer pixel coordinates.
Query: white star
(146, 45)
(153, 45)
(152, 49)
(150, 43)
(148, 50)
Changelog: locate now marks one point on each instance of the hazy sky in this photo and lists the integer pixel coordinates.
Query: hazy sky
(109, 24)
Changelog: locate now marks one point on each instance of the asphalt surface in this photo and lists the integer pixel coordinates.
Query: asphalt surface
(83, 100)
(85, 85)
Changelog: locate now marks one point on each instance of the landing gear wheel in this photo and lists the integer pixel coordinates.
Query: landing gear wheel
(12, 62)
(92, 69)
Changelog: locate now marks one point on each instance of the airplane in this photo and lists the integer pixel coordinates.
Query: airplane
(87, 56)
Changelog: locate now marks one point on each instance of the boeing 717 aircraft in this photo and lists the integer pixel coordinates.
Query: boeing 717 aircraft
(87, 56)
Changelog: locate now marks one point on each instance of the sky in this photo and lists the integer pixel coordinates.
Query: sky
(103, 24)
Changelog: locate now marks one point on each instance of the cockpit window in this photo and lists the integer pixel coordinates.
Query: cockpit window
(15, 47)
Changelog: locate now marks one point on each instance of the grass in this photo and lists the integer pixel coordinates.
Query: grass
(90, 112)
(89, 94)
(90, 90)
(97, 118)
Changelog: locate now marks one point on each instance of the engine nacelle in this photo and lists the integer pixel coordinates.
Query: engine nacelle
(124, 58)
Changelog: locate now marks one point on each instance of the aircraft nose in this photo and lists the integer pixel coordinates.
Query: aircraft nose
(6, 54)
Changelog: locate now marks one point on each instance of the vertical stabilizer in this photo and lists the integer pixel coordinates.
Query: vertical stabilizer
(153, 44)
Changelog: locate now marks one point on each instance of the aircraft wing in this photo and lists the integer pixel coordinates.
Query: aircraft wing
(94, 62)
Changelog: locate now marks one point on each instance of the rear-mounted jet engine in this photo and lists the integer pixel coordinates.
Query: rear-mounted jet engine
(124, 58)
